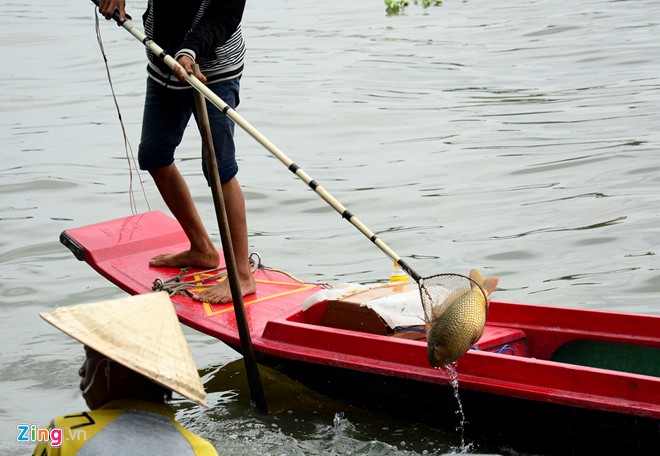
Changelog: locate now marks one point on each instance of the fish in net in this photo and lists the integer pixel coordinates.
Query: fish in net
(455, 310)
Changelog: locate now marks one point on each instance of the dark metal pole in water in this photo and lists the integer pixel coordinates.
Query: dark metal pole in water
(254, 380)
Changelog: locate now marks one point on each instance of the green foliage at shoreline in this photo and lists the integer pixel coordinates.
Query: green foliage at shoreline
(397, 6)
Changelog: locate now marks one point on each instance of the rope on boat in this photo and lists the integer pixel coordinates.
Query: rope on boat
(128, 149)
(410, 328)
(185, 280)
(506, 347)
(199, 279)
(503, 348)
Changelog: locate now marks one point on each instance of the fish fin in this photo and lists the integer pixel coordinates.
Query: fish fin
(438, 308)
(476, 276)
(489, 285)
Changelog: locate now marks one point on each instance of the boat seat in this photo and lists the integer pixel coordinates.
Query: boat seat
(503, 340)
(351, 316)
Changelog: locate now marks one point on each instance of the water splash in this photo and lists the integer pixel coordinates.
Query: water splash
(341, 425)
(450, 369)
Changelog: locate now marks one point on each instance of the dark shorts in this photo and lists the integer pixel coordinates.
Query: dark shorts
(166, 116)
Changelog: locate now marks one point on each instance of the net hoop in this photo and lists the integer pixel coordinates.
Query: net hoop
(440, 290)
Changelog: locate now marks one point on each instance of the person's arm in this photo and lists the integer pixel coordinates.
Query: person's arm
(108, 7)
(219, 22)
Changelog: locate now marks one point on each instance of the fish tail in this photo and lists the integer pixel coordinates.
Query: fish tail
(489, 285)
(476, 276)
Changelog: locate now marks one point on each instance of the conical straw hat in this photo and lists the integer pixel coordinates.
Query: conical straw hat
(140, 332)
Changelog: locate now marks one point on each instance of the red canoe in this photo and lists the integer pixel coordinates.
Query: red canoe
(602, 361)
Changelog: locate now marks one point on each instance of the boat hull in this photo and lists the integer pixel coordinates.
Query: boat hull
(489, 420)
(529, 354)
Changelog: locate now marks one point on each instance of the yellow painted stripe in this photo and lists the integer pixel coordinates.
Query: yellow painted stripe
(299, 287)
(210, 312)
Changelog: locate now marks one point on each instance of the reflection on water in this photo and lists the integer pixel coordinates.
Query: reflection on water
(519, 137)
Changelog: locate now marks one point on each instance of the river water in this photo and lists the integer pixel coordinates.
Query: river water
(519, 136)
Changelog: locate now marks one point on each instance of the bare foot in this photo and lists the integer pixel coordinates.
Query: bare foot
(206, 260)
(221, 292)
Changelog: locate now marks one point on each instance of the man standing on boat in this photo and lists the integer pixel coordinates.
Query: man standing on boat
(207, 32)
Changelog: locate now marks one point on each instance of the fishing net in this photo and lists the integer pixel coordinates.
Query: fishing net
(439, 291)
(455, 310)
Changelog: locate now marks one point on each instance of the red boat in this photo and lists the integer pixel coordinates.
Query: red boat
(604, 364)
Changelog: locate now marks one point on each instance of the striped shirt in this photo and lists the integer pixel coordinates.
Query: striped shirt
(208, 31)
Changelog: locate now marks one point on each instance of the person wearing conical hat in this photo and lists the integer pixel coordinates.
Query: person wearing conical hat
(136, 356)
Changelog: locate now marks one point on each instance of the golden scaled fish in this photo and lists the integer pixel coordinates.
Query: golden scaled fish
(458, 323)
